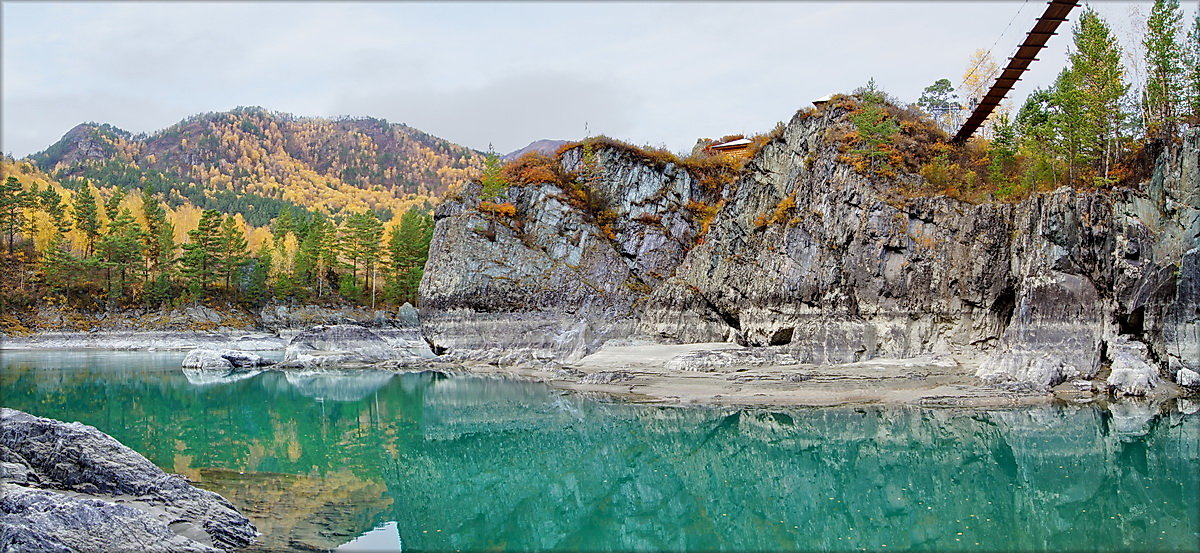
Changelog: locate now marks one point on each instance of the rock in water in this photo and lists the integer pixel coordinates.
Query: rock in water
(340, 345)
(70, 487)
(226, 359)
(1133, 374)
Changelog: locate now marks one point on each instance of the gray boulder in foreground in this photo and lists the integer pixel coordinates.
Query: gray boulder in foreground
(70, 487)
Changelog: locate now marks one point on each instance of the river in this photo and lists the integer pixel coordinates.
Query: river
(374, 461)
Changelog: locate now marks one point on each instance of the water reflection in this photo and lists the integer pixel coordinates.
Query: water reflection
(206, 377)
(338, 385)
(467, 463)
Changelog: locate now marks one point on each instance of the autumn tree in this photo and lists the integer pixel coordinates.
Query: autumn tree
(1163, 95)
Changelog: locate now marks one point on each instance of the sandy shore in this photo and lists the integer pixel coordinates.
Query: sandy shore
(647, 374)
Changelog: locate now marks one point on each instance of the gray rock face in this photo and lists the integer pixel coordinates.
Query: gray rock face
(70, 487)
(553, 278)
(340, 345)
(850, 271)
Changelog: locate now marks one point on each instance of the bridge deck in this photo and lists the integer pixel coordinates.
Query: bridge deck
(1044, 28)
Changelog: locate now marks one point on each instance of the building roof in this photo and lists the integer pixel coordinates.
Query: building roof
(731, 144)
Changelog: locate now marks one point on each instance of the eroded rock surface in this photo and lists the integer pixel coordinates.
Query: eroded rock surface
(70, 487)
(845, 270)
(348, 345)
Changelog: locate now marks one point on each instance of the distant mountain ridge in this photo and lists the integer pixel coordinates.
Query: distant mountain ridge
(544, 146)
(257, 162)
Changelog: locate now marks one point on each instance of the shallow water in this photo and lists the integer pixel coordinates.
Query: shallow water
(378, 460)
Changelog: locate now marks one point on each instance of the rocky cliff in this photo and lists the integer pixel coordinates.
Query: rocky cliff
(568, 270)
(810, 257)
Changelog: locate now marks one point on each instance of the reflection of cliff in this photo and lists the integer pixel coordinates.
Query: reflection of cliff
(338, 385)
(300, 512)
(647, 478)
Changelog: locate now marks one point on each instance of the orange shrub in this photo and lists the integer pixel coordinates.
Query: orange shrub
(505, 209)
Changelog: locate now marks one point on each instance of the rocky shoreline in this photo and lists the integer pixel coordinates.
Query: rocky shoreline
(69, 487)
(643, 371)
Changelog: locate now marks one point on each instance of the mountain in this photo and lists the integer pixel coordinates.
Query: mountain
(258, 162)
(543, 146)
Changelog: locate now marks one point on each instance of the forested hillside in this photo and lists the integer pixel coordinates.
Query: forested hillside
(97, 247)
(256, 163)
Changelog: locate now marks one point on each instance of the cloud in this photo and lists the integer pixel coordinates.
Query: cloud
(508, 112)
(505, 73)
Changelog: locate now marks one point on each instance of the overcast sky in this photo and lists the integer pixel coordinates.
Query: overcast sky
(496, 73)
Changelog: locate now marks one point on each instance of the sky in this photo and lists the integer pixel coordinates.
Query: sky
(495, 74)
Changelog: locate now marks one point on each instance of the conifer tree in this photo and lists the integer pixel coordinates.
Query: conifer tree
(1192, 75)
(362, 244)
(52, 203)
(200, 263)
(493, 183)
(159, 238)
(408, 248)
(258, 288)
(1163, 95)
(120, 252)
(233, 252)
(10, 209)
(1088, 96)
(86, 219)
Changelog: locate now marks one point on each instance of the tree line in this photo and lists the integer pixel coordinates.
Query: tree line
(88, 250)
(1090, 124)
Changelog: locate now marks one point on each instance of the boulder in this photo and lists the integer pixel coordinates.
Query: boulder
(70, 487)
(226, 359)
(1133, 374)
(339, 345)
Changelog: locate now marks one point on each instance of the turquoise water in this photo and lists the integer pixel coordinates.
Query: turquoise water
(428, 462)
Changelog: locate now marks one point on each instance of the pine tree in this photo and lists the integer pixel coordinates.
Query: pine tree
(1088, 96)
(120, 252)
(159, 238)
(52, 203)
(362, 244)
(493, 183)
(258, 288)
(940, 102)
(233, 252)
(1192, 75)
(1164, 91)
(10, 209)
(876, 129)
(316, 256)
(86, 219)
(408, 249)
(200, 262)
